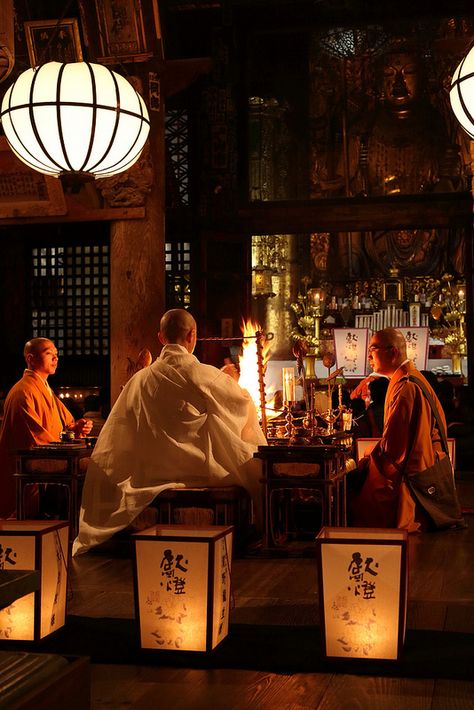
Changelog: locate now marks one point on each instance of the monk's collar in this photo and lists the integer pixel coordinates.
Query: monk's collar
(174, 347)
(400, 365)
(33, 373)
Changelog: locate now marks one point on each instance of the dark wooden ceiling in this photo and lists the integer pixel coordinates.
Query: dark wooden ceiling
(188, 24)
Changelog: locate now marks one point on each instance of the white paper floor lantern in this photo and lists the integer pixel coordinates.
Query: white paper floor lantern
(362, 592)
(35, 545)
(182, 586)
(76, 118)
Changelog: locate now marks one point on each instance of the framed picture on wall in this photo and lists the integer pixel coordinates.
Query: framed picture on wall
(350, 346)
(121, 30)
(417, 345)
(53, 41)
(25, 192)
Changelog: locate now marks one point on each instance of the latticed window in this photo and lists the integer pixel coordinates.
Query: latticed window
(177, 144)
(178, 274)
(70, 297)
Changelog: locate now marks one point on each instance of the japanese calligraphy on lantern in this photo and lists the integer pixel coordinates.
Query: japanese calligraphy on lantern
(362, 588)
(172, 597)
(7, 557)
(350, 346)
(417, 340)
(361, 575)
(173, 572)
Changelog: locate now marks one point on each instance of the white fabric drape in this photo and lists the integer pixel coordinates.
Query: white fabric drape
(177, 423)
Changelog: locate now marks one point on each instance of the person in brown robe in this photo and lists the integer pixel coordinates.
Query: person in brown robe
(32, 415)
(410, 443)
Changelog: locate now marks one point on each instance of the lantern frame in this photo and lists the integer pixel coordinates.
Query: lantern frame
(208, 537)
(75, 118)
(395, 541)
(462, 93)
(39, 554)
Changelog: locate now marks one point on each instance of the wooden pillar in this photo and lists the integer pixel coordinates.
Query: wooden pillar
(137, 274)
(468, 268)
(137, 288)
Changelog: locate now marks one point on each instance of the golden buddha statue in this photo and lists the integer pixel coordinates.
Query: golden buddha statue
(402, 148)
(399, 147)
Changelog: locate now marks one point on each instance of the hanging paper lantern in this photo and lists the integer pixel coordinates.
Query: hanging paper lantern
(462, 93)
(77, 119)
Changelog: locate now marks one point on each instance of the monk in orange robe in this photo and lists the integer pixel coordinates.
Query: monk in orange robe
(410, 443)
(32, 415)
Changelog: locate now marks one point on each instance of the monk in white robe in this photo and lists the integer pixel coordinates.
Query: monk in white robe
(176, 423)
(32, 415)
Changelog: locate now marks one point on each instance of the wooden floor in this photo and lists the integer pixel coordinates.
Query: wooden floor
(283, 590)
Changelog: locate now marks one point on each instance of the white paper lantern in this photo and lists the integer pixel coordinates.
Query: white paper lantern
(362, 592)
(43, 546)
(182, 586)
(76, 118)
(462, 93)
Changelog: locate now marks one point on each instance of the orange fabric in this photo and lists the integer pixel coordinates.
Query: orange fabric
(31, 416)
(362, 390)
(376, 504)
(410, 443)
(407, 511)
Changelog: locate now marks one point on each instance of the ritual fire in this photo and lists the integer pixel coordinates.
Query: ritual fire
(251, 378)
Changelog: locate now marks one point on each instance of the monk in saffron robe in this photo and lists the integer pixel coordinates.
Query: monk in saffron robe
(410, 443)
(32, 415)
(177, 423)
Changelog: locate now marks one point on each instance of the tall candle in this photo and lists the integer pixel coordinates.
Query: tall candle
(288, 379)
(347, 421)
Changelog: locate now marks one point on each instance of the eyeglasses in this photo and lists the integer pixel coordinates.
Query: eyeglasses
(379, 347)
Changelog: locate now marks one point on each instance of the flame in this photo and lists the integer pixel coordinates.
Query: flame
(248, 365)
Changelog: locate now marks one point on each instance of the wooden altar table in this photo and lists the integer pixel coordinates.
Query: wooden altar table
(324, 477)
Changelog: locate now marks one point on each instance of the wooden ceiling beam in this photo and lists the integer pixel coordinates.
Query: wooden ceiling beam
(357, 214)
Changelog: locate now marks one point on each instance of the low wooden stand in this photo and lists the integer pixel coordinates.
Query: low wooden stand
(326, 482)
(66, 471)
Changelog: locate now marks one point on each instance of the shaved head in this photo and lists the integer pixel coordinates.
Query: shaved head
(41, 356)
(178, 326)
(391, 337)
(36, 345)
(387, 351)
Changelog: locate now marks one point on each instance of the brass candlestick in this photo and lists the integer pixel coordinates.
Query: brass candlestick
(289, 396)
(331, 415)
(289, 426)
